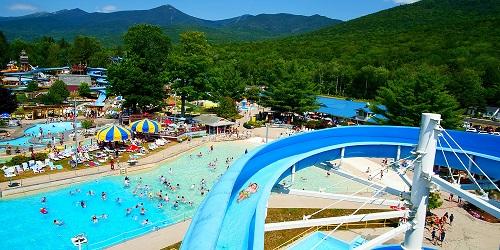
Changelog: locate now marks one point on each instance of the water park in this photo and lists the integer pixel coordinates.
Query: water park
(182, 143)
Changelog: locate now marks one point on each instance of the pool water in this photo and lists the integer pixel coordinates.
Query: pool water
(26, 228)
(323, 241)
(52, 128)
(315, 179)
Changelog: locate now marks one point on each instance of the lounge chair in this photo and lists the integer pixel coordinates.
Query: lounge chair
(51, 166)
(152, 146)
(59, 167)
(25, 165)
(40, 164)
(47, 161)
(31, 163)
(87, 156)
(18, 169)
(106, 149)
(9, 175)
(53, 157)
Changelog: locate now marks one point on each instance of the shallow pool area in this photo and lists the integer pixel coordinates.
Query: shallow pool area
(26, 228)
(316, 179)
(52, 129)
(323, 241)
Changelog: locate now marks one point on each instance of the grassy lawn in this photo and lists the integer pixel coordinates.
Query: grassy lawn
(276, 238)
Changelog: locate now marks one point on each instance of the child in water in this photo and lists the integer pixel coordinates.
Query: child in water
(244, 194)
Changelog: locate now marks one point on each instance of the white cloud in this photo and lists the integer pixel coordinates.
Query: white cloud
(405, 1)
(22, 7)
(108, 8)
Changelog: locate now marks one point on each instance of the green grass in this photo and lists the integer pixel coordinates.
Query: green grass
(275, 239)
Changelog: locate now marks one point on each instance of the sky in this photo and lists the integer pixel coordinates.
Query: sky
(209, 9)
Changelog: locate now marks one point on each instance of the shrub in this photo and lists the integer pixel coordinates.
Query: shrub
(86, 124)
(253, 124)
(18, 160)
(434, 200)
(40, 156)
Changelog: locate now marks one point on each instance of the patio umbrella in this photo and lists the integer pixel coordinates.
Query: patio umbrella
(113, 133)
(146, 126)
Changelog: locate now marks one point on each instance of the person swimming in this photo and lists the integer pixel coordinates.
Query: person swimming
(143, 211)
(43, 200)
(91, 193)
(103, 196)
(119, 200)
(103, 216)
(94, 219)
(176, 205)
(58, 222)
(145, 222)
(82, 204)
(44, 210)
(244, 194)
(128, 211)
(160, 205)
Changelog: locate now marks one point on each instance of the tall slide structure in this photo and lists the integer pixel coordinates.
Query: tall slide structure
(222, 222)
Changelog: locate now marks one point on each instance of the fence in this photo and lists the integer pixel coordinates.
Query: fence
(345, 226)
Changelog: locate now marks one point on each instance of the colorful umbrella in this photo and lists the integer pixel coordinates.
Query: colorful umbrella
(113, 133)
(146, 126)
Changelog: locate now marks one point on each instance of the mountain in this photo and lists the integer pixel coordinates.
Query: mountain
(110, 26)
(432, 31)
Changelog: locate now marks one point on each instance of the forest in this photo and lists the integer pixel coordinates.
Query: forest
(449, 46)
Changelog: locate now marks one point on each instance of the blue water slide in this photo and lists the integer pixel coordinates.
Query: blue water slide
(221, 222)
(101, 98)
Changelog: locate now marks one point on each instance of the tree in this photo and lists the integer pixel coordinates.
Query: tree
(9, 101)
(57, 93)
(226, 81)
(252, 93)
(293, 93)
(86, 124)
(84, 90)
(413, 92)
(227, 108)
(466, 86)
(138, 77)
(84, 48)
(434, 201)
(4, 50)
(188, 67)
(32, 87)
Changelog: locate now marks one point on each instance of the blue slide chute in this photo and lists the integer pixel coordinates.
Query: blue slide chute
(223, 223)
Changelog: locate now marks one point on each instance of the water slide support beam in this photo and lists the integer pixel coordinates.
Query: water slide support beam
(293, 173)
(385, 237)
(426, 152)
(342, 153)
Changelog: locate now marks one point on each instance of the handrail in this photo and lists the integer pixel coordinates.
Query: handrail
(318, 228)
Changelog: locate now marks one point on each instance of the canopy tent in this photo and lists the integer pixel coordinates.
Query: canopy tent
(113, 133)
(145, 126)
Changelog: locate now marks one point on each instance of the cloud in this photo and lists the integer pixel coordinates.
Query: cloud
(108, 8)
(22, 7)
(405, 1)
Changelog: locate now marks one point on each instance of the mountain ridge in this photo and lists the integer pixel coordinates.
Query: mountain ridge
(68, 23)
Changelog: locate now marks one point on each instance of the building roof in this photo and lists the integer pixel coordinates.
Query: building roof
(344, 108)
(212, 120)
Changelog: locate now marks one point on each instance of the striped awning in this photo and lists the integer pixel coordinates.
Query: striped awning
(145, 126)
(113, 133)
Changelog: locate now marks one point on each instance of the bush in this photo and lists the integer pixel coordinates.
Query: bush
(434, 200)
(86, 124)
(253, 124)
(17, 160)
(40, 156)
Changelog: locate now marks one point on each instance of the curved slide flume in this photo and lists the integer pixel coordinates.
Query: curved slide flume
(223, 223)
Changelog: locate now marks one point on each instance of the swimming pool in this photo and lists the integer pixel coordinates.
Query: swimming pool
(26, 228)
(323, 241)
(52, 128)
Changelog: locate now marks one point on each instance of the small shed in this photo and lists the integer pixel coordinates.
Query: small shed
(213, 123)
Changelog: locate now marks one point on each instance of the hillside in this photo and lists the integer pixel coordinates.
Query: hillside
(109, 27)
(460, 38)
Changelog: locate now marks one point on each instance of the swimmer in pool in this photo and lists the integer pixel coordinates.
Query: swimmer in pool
(128, 211)
(104, 216)
(103, 196)
(43, 200)
(82, 204)
(91, 193)
(143, 211)
(119, 200)
(145, 222)
(94, 219)
(58, 223)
